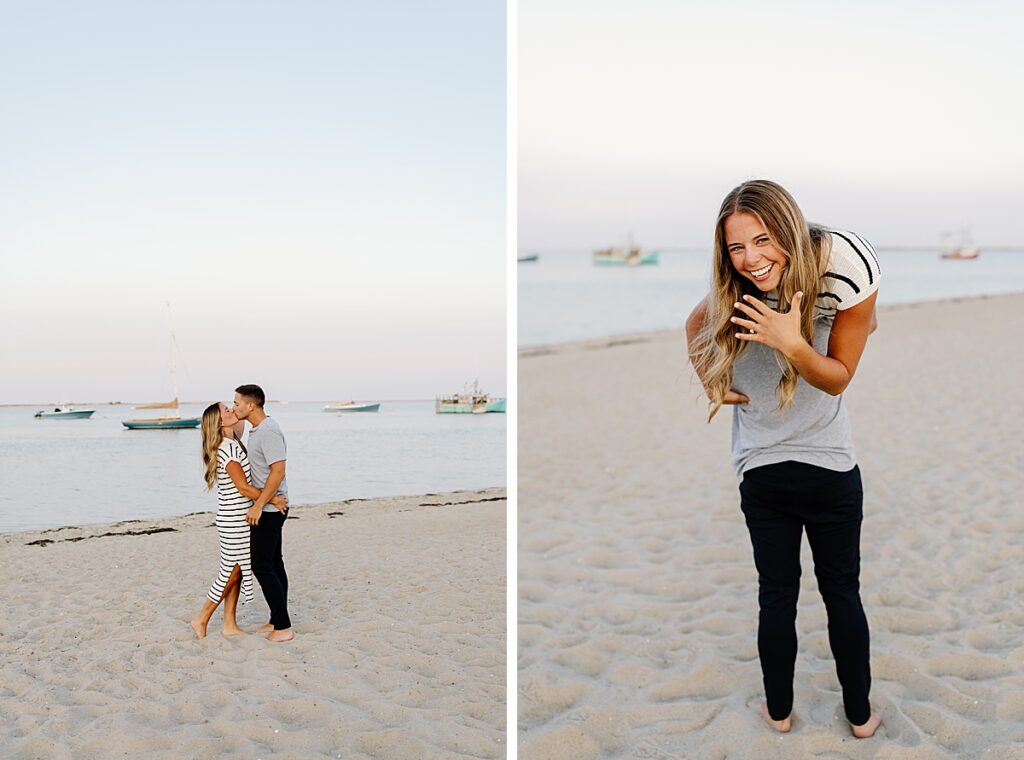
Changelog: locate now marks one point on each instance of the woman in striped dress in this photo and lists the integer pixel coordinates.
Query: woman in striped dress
(227, 465)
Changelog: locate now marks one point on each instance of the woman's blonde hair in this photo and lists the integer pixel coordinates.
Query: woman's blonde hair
(717, 347)
(213, 435)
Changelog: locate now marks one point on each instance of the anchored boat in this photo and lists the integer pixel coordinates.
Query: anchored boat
(963, 250)
(469, 403)
(351, 406)
(162, 423)
(169, 422)
(66, 412)
(630, 256)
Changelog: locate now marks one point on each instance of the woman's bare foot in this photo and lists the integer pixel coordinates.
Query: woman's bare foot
(199, 628)
(282, 635)
(233, 631)
(867, 730)
(782, 726)
(265, 628)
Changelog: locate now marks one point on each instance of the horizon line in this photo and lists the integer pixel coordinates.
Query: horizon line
(705, 249)
(269, 401)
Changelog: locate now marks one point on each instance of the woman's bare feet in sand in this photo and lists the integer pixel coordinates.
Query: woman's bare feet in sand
(761, 707)
(233, 631)
(867, 730)
(199, 628)
(265, 628)
(282, 635)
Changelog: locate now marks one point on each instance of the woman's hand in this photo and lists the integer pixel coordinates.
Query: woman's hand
(253, 515)
(775, 330)
(732, 397)
(281, 502)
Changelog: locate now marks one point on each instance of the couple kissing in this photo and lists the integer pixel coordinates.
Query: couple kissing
(252, 506)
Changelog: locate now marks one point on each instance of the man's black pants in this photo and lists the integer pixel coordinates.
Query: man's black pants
(779, 501)
(268, 565)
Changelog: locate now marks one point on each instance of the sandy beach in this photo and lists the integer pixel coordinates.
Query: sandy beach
(637, 589)
(399, 614)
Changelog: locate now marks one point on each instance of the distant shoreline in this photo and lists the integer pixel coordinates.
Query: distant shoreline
(183, 403)
(557, 251)
(647, 336)
(174, 523)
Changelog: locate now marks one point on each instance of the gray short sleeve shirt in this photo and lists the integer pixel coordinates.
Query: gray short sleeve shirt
(815, 428)
(266, 446)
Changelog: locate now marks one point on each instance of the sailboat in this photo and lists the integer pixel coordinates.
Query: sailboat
(175, 422)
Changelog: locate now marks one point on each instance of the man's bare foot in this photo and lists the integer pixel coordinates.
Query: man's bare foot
(782, 726)
(199, 628)
(233, 631)
(265, 628)
(867, 730)
(282, 635)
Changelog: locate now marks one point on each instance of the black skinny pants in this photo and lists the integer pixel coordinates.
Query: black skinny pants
(779, 501)
(268, 565)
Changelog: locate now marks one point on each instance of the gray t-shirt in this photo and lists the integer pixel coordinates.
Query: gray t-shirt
(815, 428)
(266, 446)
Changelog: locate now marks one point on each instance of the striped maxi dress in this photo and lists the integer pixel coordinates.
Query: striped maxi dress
(232, 528)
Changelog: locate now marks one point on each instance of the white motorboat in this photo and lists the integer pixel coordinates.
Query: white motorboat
(66, 412)
(352, 406)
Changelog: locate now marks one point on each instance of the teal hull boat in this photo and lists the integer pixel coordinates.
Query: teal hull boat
(65, 413)
(470, 403)
(352, 406)
(497, 405)
(174, 423)
(614, 257)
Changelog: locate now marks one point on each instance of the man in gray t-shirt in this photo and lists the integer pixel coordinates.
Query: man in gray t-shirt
(266, 448)
(267, 459)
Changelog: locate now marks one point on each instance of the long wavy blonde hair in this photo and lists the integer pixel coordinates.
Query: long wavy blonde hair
(805, 248)
(213, 435)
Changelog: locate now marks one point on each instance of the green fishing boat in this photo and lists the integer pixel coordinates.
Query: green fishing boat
(630, 256)
(475, 402)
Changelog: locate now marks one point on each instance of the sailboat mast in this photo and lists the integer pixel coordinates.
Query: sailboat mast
(174, 369)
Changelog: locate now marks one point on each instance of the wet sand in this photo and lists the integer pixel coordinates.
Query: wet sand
(398, 606)
(637, 589)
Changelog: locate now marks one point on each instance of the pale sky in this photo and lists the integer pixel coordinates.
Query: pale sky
(900, 120)
(317, 188)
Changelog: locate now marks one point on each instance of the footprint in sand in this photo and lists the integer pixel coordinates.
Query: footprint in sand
(706, 682)
(543, 696)
(907, 621)
(970, 667)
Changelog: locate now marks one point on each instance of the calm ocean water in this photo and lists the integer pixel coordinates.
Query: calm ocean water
(565, 297)
(76, 472)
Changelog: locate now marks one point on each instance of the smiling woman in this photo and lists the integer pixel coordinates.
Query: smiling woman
(792, 446)
(764, 247)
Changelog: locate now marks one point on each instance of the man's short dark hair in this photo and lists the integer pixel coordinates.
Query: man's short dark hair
(254, 392)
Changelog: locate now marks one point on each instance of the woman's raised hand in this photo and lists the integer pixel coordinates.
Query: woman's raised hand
(765, 325)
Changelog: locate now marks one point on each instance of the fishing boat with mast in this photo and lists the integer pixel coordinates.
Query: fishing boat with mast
(475, 402)
(964, 251)
(167, 422)
(630, 255)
